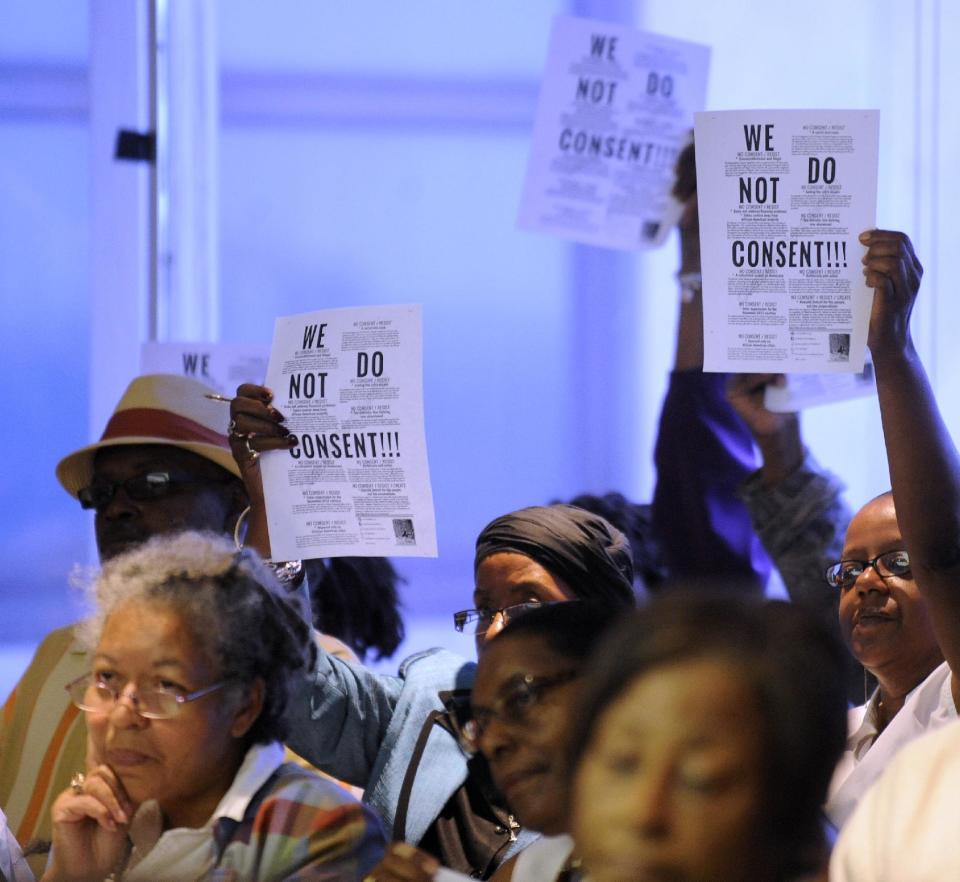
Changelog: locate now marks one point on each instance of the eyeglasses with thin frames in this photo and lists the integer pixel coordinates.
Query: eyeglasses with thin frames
(91, 694)
(484, 617)
(518, 698)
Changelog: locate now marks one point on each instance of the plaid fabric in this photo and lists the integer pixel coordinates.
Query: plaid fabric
(299, 826)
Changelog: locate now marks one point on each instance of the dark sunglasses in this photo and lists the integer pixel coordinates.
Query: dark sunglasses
(151, 485)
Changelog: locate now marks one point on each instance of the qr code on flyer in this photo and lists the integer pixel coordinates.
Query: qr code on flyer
(403, 530)
(839, 347)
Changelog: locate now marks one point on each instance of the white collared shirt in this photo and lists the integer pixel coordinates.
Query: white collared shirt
(904, 829)
(928, 706)
(190, 852)
(13, 865)
(543, 860)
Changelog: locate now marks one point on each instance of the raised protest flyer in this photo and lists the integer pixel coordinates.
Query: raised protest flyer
(222, 366)
(783, 196)
(350, 384)
(616, 107)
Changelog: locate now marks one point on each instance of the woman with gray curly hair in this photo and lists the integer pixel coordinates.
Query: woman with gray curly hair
(194, 648)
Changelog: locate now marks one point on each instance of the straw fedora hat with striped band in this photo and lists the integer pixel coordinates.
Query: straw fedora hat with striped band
(158, 409)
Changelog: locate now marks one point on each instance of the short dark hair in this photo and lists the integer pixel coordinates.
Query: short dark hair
(793, 665)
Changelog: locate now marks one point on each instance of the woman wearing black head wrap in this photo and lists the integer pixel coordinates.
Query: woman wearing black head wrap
(537, 555)
(545, 554)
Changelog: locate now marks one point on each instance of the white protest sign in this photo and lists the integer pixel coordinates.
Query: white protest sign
(350, 384)
(616, 107)
(222, 366)
(783, 196)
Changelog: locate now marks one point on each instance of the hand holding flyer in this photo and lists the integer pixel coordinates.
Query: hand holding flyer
(783, 196)
(616, 106)
(349, 382)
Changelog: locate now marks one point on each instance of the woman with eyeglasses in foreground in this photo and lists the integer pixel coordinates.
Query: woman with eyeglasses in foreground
(524, 698)
(394, 736)
(194, 650)
(899, 577)
(705, 737)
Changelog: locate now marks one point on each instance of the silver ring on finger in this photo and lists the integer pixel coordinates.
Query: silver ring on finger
(232, 428)
(254, 454)
(77, 782)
